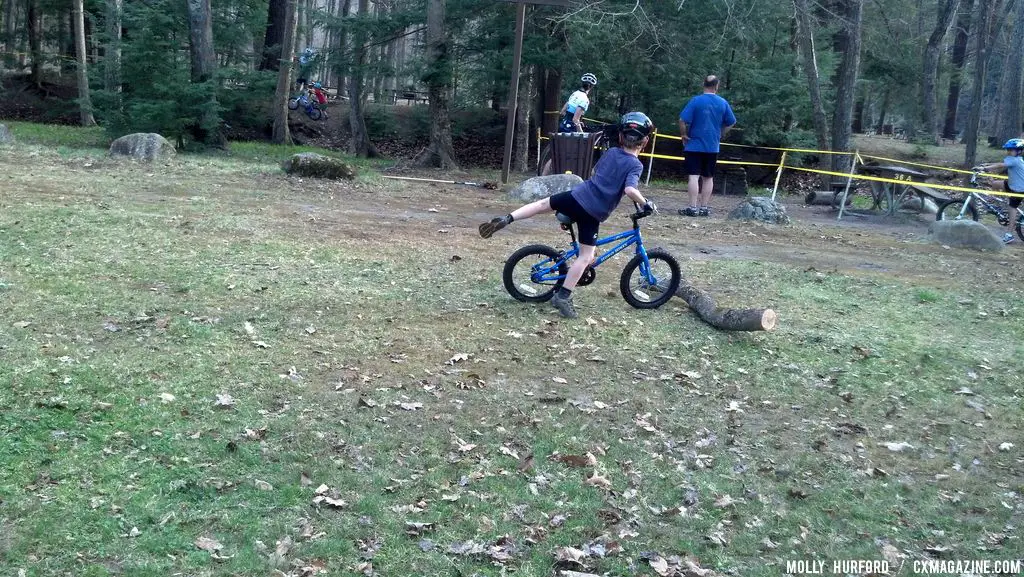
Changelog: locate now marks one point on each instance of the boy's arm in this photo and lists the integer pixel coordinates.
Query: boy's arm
(635, 195)
(992, 167)
(576, 119)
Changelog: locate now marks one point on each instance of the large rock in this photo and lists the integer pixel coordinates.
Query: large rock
(760, 208)
(540, 187)
(964, 234)
(313, 165)
(143, 146)
(5, 135)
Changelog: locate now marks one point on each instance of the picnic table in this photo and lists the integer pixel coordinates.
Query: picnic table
(888, 196)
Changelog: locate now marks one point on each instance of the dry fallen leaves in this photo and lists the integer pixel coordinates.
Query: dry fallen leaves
(224, 400)
(208, 544)
(596, 480)
(580, 461)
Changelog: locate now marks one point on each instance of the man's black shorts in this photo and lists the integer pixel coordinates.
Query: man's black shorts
(587, 225)
(700, 163)
(1014, 200)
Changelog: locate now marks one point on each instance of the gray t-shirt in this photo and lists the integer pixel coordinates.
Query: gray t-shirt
(615, 170)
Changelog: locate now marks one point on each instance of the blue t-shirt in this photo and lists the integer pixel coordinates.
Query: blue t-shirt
(601, 193)
(705, 116)
(1015, 169)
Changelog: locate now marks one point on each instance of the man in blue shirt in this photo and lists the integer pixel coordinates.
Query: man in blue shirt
(592, 201)
(703, 123)
(1013, 164)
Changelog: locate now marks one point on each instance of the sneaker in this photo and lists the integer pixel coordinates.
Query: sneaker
(1007, 238)
(689, 211)
(489, 228)
(704, 211)
(564, 306)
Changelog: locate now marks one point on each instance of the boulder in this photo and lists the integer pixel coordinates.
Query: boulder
(143, 146)
(540, 187)
(313, 165)
(964, 234)
(760, 208)
(5, 135)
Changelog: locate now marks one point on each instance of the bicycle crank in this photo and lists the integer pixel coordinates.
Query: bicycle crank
(588, 276)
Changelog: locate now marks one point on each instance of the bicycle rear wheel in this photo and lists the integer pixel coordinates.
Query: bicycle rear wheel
(650, 285)
(951, 210)
(533, 273)
(1020, 225)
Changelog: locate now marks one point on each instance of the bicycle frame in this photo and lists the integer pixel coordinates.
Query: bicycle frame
(547, 270)
(989, 205)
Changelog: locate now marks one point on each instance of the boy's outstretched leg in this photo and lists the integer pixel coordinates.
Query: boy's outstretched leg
(498, 223)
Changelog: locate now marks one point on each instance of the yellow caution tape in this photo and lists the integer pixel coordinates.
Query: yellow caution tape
(907, 162)
(906, 182)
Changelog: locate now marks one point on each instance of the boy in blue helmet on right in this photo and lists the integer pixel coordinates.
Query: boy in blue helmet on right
(1013, 165)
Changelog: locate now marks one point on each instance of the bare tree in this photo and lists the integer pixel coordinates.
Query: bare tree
(438, 77)
(204, 66)
(112, 52)
(852, 12)
(84, 102)
(805, 45)
(10, 15)
(359, 143)
(281, 134)
(983, 24)
(273, 41)
(959, 56)
(1008, 120)
(34, 25)
(930, 69)
(521, 149)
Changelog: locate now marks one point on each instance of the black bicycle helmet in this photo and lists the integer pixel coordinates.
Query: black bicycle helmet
(634, 127)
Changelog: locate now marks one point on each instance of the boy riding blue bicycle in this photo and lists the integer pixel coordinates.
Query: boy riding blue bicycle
(592, 201)
(1013, 165)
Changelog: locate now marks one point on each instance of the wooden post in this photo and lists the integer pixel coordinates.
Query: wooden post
(650, 161)
(538, 147)
(778, 174)
(513, 90)
(849, 180)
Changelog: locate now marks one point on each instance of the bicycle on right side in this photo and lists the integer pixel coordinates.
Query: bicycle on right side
(988, 209)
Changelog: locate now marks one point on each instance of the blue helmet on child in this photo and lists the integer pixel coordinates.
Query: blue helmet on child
(635, 126)
(1014, 144)
(317, 85)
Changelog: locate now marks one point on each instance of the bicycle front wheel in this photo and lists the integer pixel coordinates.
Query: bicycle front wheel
(533, 273)
(545, 164)
(951, 210)
(314, 113)
(1020, 226)
(293, 104)
(648, 285)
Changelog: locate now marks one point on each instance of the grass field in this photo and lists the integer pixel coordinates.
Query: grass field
(209, 368)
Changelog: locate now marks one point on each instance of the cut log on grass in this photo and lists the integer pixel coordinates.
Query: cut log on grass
(824, 198)
(725, 319)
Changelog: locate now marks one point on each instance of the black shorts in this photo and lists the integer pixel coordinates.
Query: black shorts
(701, 163)
(1014, 200)
(587, 225)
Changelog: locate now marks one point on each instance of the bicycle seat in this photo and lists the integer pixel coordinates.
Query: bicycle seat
(564, 218)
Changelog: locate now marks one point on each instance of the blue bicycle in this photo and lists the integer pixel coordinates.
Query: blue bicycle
(534, 272)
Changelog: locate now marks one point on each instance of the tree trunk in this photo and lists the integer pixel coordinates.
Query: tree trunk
(34, 25)
(846, 88)
(341, 67)
(883, 110)
(84, 103)
(982, 25)
(277, 16)
(10, 15)
(930, 70)
(521, 148)
(725, 319)
(858, 112)
(805, 33)
(204, 65)
(438, 78)
(112, 53)
(1008, 119)
(552, 100)
(359, 143)
(963, 27)
(281, 134)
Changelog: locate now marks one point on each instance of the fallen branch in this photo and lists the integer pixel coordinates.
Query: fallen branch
(725, 319)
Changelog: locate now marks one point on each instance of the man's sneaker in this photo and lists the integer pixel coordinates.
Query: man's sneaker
(564, 306)
(689, 211)
(1007, 238)
(496, 224)
(704, 211)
